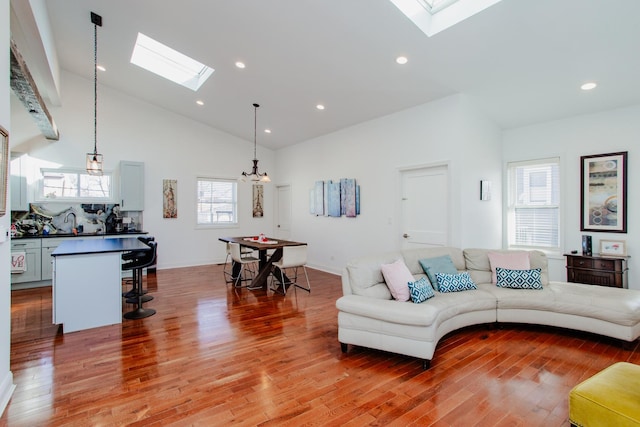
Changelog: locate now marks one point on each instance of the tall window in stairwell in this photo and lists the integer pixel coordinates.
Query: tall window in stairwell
(533, 210)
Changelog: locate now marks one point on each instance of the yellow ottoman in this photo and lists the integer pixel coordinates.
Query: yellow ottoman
(609, 398)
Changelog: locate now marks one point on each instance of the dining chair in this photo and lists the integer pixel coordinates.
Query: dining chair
(293, 257)
(248, 265)
(227, 269)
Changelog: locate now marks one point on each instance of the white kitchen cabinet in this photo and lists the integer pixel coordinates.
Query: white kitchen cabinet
(18, 182)
(19, 193)
(131, 186)
(31, 249)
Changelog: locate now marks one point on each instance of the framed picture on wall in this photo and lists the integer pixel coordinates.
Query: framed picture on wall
(603, 197)
(4, 168)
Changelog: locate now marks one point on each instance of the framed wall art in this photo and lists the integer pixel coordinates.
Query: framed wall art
(4, 168)
(258, 200)
(603, 197)
(169, 198)
(613, 247)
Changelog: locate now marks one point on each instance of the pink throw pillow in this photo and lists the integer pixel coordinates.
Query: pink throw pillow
(510, 261)
(397, 276)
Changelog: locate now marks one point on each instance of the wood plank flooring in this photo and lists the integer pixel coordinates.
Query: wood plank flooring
(215, 355)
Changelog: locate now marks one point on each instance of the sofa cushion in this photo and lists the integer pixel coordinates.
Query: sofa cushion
(431, 313)
(364, 276)
(397, 277)
(455, 282)
(412, 258)
(421, 290)
(512, 260)
(518, 279)
(615, 305)
(477, 264)
(441, 264)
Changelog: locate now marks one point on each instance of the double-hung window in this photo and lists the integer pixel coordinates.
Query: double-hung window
(533, 210)
(217, 201)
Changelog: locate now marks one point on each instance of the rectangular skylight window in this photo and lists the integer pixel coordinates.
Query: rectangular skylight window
(433, 16)
(434, 6)
(169, 63)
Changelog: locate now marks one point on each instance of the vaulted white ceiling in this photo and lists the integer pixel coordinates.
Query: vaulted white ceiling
(520, 61)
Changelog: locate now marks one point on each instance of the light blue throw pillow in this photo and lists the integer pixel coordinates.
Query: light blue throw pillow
(519, 279)
(455, 282)
(441, 264)
(420, 290)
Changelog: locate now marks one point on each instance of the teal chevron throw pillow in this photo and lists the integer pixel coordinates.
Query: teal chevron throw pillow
(421, 290)
(519, 279)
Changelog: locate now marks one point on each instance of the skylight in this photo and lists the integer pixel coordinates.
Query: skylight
(169, 63)
(433, 16)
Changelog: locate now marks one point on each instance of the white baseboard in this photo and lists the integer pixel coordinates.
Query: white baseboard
(6, 391)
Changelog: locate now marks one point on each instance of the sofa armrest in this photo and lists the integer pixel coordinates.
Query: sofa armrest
(392, 311)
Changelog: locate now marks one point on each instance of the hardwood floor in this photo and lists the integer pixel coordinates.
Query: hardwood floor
(214, 355)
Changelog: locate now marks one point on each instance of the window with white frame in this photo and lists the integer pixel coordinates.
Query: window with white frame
(74, 184)
(533, 213)
(217, 201)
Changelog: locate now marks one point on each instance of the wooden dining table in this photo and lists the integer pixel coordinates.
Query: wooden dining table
(265, 262)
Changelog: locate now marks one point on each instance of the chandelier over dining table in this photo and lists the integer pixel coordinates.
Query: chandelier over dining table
(255, 175)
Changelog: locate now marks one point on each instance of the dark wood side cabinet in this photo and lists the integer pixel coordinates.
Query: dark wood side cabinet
(597, 270)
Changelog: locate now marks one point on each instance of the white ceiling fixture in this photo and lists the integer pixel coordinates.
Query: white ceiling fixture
(589, 86)
(402, 60)
(240, 64)
(200, 102)
(320, 107)
(169, 63)
(433, 16)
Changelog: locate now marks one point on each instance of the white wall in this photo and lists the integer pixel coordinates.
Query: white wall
(6, 377)
(449, 130)
(606, 132)
(172, 147)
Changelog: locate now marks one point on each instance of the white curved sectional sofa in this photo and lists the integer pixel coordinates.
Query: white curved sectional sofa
(368, 316)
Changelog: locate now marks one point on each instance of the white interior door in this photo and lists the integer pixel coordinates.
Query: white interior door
(425, 207)
(283, 216)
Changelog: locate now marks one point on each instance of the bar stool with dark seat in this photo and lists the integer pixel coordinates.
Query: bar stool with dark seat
(136, 265)
(132, 294)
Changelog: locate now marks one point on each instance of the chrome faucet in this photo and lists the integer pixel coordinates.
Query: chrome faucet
(66, 219)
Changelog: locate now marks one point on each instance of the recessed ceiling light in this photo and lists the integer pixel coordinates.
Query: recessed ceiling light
(588, 86)
(267, 131)
(240, 64)
(200, 102)
(101, 68)
(402, 60)
(320, 107)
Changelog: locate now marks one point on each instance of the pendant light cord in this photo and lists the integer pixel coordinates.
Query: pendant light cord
(255, 132)
(95, 89)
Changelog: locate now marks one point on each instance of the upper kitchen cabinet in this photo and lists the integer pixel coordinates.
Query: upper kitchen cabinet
(131, 186)
(19, 200)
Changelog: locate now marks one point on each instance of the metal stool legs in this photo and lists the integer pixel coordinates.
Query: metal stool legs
(139, 312)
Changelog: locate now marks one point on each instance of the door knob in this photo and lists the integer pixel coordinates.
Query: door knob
(278, 225)
(405, 235)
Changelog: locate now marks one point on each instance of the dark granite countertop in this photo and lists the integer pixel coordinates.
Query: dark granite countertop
(79, 235)
(94, 246)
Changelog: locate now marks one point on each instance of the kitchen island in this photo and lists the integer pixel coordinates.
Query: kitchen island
(87, 282)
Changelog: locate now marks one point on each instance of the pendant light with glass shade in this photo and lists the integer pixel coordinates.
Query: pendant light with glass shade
(94, 160)
(254, 175)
